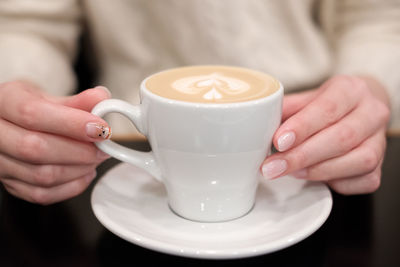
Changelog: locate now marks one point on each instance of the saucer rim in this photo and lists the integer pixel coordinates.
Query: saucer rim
(173, 249)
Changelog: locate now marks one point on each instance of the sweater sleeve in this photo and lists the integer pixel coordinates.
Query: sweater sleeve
(367, 41)
(38, 42)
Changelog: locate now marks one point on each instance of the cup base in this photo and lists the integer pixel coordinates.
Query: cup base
(211, 220)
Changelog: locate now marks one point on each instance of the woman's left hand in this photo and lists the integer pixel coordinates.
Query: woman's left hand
(335, 134)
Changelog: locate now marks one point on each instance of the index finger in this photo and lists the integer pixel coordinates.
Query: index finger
(33, 112)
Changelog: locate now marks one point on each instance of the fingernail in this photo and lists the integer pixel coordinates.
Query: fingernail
(90, 177)
(105, 89)
(300, 174)
(274, 168)
(98, 131)
(102, 155)
(286, 141)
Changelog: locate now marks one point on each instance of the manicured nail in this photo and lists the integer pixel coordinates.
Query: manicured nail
(285, 141)
(98, 131)
(105, 89)
(274, 168)
(300, 174)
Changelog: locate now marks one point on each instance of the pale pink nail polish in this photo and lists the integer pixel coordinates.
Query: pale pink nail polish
(274, 168)
(98, 131)
(285, 141)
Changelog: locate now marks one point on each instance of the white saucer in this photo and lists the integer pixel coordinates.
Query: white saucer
(133, 205)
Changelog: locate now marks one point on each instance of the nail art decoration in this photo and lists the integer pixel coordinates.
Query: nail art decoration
(96, 130)
(105, 132)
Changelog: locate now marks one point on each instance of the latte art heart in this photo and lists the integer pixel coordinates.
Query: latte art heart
(212, 86)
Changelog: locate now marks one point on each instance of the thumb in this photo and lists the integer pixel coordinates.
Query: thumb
(87, 99)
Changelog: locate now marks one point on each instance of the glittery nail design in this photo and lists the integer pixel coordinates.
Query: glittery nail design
(97, 130)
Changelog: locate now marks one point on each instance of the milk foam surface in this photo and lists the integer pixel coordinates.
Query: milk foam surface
(212, 84)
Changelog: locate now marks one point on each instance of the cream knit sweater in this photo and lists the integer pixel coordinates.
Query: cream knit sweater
(301, 42)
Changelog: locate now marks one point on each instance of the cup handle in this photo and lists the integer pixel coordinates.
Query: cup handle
(144, 160)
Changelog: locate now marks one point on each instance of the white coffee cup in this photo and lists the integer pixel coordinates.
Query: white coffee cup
(208, 156)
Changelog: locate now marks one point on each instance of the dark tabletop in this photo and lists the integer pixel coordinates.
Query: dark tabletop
(361, 230)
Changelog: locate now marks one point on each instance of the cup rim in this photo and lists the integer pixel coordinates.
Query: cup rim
(268, 98)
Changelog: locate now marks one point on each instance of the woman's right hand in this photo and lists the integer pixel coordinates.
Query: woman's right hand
(46, 147)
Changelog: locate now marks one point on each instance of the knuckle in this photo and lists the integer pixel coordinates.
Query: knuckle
(382, 111)
(370, 160)
(340, 187)
(40, 196)
(77, 187)
(335, 185)
(14, 90)
(329, 110)
(373, 182)
(366, 185)
(45, 175)
(28, 114)
(30, 147)
(347, 137)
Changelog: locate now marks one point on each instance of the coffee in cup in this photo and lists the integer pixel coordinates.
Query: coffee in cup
(212, 84)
